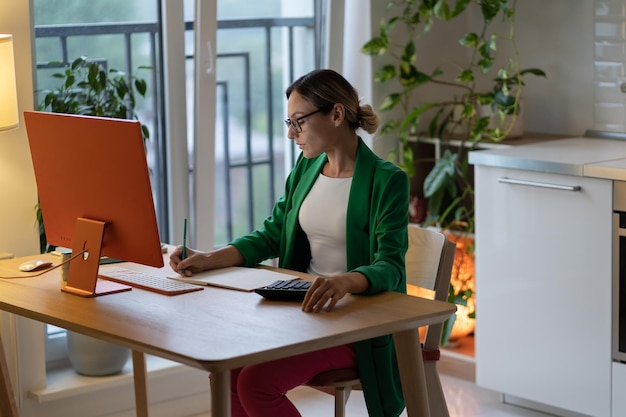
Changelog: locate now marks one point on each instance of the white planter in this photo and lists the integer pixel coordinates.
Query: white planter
(94, 357)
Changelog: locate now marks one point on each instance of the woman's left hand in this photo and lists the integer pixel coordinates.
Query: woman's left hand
(327, 291)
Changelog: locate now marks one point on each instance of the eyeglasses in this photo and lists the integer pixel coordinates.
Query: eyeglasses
(295, 123)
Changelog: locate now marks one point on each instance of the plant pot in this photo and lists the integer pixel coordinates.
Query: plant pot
(94, 357)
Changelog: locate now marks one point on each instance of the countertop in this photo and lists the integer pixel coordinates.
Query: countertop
(580, 156)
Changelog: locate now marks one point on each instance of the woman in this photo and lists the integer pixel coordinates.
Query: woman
(343, 218)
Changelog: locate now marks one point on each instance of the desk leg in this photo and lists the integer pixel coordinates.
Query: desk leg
(8, 408)
(139, 375)
(220, 394)
(412, 375)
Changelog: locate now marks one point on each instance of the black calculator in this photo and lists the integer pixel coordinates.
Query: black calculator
(285, 290)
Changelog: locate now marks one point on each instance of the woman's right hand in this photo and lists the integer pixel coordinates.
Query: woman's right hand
(193, 262)
(198, 261)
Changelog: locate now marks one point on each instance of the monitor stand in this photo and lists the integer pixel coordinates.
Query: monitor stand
(82, 278)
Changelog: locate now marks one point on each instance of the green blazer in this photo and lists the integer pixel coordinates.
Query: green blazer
(376, 234)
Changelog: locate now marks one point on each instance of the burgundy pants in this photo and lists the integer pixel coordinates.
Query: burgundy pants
(259, 390)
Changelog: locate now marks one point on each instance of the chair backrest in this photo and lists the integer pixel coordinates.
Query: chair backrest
(423, 256)
(429, 262)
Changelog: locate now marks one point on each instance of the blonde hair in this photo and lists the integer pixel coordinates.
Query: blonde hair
(324, 88)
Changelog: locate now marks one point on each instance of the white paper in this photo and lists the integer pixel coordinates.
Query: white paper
(236, 278)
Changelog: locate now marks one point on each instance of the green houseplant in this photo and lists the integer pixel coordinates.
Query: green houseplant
(486, 75)
(87, 88)
(459, 114)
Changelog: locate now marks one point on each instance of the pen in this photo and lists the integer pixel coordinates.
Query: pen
(184, 251)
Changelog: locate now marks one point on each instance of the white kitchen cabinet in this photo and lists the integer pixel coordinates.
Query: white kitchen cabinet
(543, 288)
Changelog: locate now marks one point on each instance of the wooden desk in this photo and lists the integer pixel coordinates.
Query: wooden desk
(218, 330)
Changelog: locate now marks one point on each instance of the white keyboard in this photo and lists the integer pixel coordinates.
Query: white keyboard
(146, 281)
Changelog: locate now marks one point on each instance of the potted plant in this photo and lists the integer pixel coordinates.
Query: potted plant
(87, 88)
(464, 92)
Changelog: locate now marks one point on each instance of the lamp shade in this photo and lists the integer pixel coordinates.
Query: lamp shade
(9, 117)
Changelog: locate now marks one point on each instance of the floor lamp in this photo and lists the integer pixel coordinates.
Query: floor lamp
(9, 117)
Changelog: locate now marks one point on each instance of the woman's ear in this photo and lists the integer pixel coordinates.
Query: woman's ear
(339, 114)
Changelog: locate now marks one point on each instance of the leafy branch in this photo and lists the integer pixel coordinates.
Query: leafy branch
(87, 88)
(461, 115)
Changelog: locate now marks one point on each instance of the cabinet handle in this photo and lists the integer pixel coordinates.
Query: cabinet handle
(539, 184)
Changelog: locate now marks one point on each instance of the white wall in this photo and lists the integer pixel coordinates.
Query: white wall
(18, 234)
(557, 36)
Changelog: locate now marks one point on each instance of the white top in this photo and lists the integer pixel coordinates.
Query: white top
(323, 219)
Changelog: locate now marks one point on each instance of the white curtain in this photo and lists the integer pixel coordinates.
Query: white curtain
(349, 27)
(200, 233)
(357, 67)
(204, 121)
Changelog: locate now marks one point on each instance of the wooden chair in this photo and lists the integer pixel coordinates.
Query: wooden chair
(429, 262)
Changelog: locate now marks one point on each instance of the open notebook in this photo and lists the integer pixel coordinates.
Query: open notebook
(236, 278)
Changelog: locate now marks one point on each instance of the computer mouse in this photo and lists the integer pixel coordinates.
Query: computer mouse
(34, 265)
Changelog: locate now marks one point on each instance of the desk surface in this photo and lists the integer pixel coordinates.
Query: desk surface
(215, 329)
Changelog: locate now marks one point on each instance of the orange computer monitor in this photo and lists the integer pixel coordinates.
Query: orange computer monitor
(93, 170)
